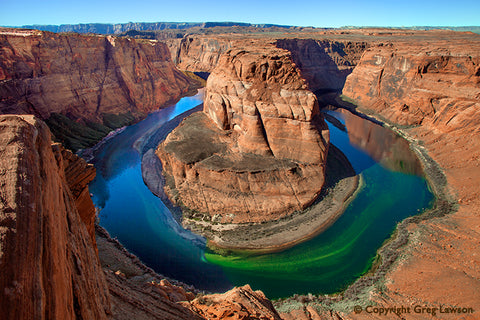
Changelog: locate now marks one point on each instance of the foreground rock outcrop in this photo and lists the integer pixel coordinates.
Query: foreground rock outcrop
(240, 303)
(85, 85)
(260, 131)
(48, 262)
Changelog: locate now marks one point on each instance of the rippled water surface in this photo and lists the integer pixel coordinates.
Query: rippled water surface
(393, 189)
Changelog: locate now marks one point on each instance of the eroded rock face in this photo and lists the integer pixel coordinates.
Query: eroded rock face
(48, 262)
(198, 53)
(408, 83)
(79, 174)
(258, 150)
(325, 64)
(85, 78)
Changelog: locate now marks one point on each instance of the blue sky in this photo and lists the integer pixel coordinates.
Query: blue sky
(318, 13)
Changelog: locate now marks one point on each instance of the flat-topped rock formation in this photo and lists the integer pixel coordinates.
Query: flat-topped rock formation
(258, 150)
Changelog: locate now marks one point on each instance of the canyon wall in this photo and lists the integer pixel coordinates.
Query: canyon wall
(409, 83)
(261, 130)
(87, 79)
(199, 53)
(325, 64)
(48, 262)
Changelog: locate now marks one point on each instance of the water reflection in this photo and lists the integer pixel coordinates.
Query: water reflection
(381, 144)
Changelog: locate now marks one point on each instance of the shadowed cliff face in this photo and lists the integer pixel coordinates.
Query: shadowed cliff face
(88, 79)
(261, 131)
(48, 262)
(325, 64)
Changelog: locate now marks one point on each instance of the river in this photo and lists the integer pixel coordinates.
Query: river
(393, 188)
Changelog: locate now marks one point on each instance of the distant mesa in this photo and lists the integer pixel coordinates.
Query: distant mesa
(117, 28)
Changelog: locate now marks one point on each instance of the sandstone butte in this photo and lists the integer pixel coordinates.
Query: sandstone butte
(257, 152)
(436, 108)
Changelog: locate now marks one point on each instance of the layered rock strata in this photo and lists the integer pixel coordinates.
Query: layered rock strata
(89, 80)
(409, 83)
(325, 64)
(48, 262)
(197, 53)
(258, 150)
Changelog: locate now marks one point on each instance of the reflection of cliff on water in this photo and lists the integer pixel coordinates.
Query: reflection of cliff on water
(383, 145)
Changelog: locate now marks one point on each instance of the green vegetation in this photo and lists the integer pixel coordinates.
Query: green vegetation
(79, 135)
(199, 81)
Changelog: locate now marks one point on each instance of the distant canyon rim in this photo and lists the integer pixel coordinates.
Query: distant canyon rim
(424, 85)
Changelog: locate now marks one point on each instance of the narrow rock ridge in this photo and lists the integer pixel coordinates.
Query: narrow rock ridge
(258, 150)
(79, 174)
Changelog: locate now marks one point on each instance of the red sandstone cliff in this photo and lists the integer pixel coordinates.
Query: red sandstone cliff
(324, 64)
(409, 83)
(199, 53)
(48, 264)
(85, 77)
(258, 151)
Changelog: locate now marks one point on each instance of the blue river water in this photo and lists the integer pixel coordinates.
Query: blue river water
(393, 190)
